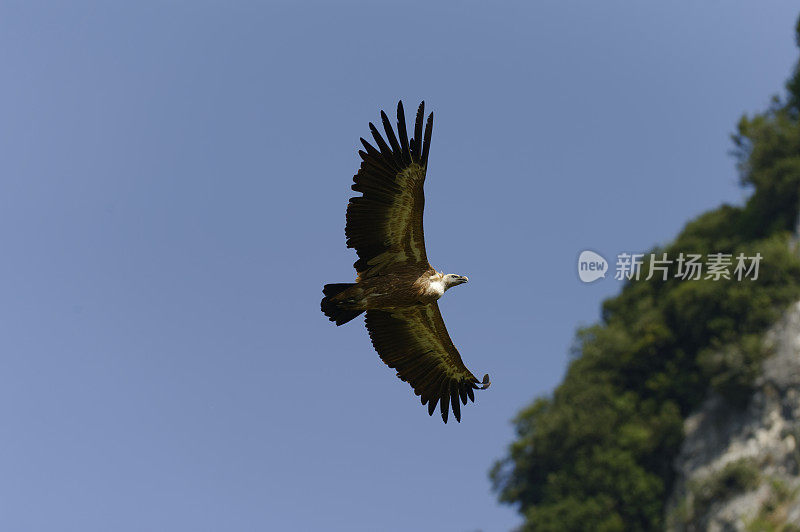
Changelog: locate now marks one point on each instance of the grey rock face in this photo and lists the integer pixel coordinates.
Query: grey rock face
(739, 469)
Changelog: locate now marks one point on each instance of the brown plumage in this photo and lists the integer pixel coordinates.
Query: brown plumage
(396, 285)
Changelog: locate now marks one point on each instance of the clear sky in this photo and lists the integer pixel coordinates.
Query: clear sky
(173, 182)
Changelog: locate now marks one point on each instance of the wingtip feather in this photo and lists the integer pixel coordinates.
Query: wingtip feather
(431, 406)
(426, 145)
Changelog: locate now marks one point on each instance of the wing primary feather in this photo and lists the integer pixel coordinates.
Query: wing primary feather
(445, 402)
(387, 126)
(431, 405)
(436, 385)
(402, 133)
(454, 400)
(462, 391)
(370, 148)
(416, 141)
(385, 151)
(426, 146)
(470, 393)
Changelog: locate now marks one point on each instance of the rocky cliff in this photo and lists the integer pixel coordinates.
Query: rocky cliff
(739, 468)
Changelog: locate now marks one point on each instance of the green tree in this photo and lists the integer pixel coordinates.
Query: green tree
(597, 454)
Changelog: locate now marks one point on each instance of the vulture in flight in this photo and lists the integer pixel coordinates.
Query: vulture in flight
(396, 285)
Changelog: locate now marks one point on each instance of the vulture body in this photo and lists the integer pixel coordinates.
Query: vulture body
(396, 286)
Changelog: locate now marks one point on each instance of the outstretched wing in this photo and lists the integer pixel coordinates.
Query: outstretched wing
(415, 342)
(384, 225)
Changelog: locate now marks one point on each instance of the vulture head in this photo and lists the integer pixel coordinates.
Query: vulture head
(451, 280)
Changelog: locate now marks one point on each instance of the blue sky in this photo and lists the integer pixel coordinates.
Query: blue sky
(174, 181)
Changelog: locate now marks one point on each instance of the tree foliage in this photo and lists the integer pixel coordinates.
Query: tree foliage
(597, 453)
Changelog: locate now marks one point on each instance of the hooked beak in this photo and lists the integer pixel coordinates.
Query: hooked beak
(464, 279)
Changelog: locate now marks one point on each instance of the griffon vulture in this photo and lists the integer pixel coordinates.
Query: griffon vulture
(396, 285)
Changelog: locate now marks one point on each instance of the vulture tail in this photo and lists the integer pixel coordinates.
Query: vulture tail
(338, 311)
